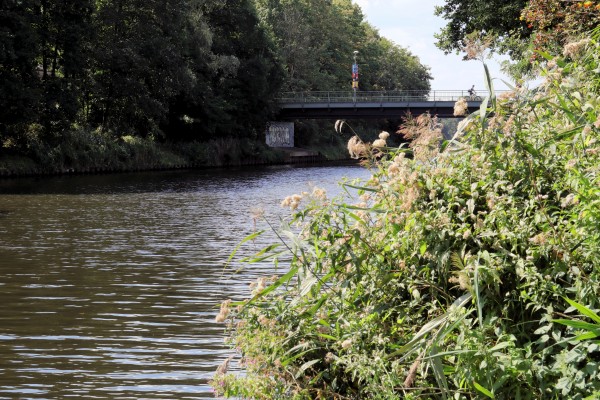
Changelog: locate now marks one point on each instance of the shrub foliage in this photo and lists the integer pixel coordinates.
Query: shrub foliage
(466, 270)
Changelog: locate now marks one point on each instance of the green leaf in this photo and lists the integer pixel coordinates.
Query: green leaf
(301, 346)
(489, 84)
(246, 239)
(500, 346)
(306, 366)
(483, 390)
(578, 324)
(430, 326)
(329, 337)
(449, 353)
(438, 372)
(423, 248)
(286, 361)
(366, 189)
(563, 135)
(283, 279)
(584, 310)
(253, 259)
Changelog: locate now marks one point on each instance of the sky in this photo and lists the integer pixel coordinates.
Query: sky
(411, 24)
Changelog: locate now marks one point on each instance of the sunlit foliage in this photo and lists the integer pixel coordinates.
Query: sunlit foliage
(462, 270)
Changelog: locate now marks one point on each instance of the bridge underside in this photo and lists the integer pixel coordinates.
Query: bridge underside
(375, 110)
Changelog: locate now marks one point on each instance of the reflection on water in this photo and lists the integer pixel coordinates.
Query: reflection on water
(109, 283)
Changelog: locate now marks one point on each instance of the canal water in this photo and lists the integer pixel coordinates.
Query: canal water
(109, 284)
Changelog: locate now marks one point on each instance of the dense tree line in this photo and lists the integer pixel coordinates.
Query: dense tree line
(151, 68)
(178, 70)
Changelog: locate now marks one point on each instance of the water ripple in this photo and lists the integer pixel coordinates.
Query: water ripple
(110, 284)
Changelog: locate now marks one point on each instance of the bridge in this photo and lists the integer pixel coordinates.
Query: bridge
(368, 105)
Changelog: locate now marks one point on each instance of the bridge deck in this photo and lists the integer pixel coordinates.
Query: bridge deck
(346, 105)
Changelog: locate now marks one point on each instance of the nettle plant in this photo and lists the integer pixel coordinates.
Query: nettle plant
(462, 270)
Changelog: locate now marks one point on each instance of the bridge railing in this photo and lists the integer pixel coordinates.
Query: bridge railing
(378, 96)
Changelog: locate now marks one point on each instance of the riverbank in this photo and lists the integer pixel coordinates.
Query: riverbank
(78, 154)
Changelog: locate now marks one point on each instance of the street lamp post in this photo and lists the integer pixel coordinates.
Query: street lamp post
(355, 76)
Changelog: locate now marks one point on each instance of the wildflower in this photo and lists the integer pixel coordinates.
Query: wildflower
(461, 107)
(597, 122)
(329, 357)
(569, 200)
(222, 369)
(291, 201)
(224, 312)
(319, 193)
(400, 157)
(593, 151)
(260, 286)
(495, 121)
(220, 318)
(425, 133)
(384, 135)
(539, 239)
(346, 343)
(573, 49)
(264, 321)
(257, 212)
(476, 47)
(463, 281)
(356, 147)
(379, 143)
(507, 96)
(509, 126)
(409, 198)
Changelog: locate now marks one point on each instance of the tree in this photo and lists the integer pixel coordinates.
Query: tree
(316, 40)
(496, 19)
(139, 65)
(19, 84)
(397, 69)
(555, 22)
(65, 34)
(236, 74)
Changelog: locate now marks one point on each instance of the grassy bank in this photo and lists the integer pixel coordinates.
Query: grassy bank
(81, 151)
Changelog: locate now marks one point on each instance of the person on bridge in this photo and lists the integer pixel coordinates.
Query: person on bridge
(471, 91)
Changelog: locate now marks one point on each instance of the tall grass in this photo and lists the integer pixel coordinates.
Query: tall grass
(446, 276)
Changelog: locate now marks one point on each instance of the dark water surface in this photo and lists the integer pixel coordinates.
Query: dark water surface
(109, 283)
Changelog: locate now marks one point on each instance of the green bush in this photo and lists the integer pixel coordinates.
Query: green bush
(448, 276)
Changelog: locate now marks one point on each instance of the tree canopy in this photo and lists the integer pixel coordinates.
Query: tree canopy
(519, 28)
(498, 19)
(179, 69)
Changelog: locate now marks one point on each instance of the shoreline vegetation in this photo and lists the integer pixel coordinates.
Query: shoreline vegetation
(462, 269)
(81, 156)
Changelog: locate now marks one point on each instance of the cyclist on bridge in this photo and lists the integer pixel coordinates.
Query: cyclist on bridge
(472, 91)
